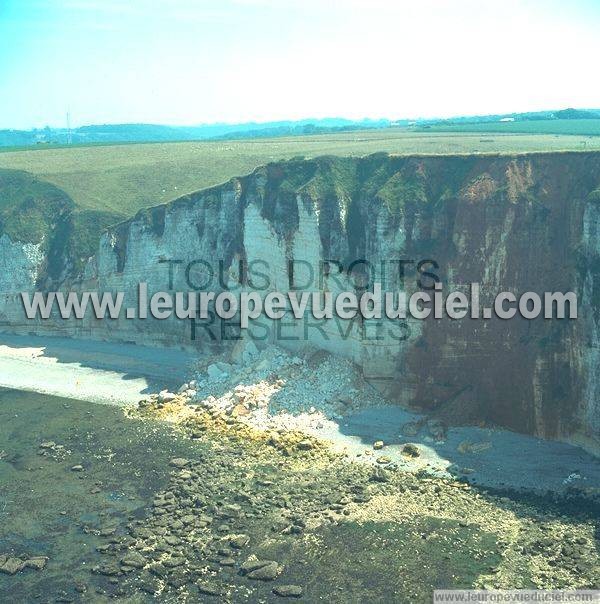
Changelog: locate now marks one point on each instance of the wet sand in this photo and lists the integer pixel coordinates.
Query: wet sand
(99, 372)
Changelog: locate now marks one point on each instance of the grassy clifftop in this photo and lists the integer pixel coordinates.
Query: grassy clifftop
(122, 179)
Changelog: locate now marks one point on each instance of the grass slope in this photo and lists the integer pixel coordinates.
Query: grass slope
(29, 207)
(33, 210)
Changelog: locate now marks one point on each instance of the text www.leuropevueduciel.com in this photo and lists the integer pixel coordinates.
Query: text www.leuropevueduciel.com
(347, 305)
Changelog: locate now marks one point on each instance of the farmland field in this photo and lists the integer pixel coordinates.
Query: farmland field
(121, 179)
(576, 127)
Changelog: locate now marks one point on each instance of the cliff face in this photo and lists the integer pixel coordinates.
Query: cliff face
(527, 223)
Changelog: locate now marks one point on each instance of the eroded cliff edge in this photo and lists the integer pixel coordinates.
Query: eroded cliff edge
(525, 223)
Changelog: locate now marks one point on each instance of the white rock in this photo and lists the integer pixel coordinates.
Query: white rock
(165, 396)
(183, 388)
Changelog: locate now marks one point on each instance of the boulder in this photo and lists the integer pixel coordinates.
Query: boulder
(268, 572)
(166, 397)
(134, 559)
(252, 563)
(36, 562)
(209, 588)
(250, 352)
(179, 462)
(215, 371)
(12, 566)
(239, 541)
(410, 450)
(288, 591)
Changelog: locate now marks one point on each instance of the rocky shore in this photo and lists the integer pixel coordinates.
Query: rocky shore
(254, 518)
(242, 501)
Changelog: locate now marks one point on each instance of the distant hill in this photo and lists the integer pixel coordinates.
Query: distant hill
(141, 133)
(576, 114)
(535, 116)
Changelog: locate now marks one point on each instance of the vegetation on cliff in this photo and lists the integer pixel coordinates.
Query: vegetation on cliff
(38, 212)
(594, 196)
(29, 207)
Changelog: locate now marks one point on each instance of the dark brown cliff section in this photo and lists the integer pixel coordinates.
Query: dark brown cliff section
(513, 225)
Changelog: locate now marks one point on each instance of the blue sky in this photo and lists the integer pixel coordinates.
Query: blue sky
(190, 62)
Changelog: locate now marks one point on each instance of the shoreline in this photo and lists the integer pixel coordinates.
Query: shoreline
(89, 370)
(121, 374)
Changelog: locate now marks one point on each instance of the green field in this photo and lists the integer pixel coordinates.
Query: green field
(121, 179)
(575, 127)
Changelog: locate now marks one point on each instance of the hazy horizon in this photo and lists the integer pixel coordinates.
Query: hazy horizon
(301, 119)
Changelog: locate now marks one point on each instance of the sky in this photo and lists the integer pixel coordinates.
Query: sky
(193, 61)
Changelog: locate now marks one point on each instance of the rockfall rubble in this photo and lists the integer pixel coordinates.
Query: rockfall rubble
(271, 389)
